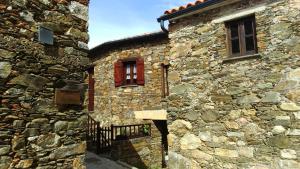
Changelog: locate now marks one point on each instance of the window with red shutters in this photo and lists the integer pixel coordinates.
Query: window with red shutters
(129, 72)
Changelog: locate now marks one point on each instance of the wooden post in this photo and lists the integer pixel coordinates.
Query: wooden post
(112, 133)
(166, 78)
(87, 128)
(163, 92)
(98, 138)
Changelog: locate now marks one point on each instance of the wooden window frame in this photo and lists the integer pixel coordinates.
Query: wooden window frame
(241, 37)
(132, 81)
(164, 80)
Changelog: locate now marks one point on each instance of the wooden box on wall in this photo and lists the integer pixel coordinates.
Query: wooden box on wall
(67, 97)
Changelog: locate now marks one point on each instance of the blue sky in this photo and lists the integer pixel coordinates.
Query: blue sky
(117, 19)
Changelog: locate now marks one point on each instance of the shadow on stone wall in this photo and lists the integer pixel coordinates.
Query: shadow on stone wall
(132, 151)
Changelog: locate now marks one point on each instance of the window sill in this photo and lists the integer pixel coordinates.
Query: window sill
(125, 86)
(232, 59)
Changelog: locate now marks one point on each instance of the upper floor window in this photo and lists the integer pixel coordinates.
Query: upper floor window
(129, 72)
(241, 37)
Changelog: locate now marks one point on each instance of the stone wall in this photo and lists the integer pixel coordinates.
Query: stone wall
(238, 114)
(115, 105)
(34, 133)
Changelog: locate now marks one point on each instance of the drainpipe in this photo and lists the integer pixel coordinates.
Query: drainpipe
(162, 26)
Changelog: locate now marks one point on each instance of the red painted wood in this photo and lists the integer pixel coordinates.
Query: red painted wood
(118, 73)
(140, 71)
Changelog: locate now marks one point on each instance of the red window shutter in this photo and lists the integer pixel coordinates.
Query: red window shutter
(140, 71)
(118, 73)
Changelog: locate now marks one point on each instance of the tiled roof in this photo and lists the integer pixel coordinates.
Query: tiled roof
(191, 4)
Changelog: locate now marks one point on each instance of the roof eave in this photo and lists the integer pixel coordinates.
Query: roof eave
(205, 6)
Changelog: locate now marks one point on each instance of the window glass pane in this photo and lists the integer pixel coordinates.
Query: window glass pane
(249, 43)
(234, 30)
(235, 46)
(248, 27)
(134, 76)
(134, 68)
(128, 69)
(128, 77)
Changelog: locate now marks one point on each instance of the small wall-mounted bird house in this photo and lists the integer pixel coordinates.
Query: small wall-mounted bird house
(70, 94)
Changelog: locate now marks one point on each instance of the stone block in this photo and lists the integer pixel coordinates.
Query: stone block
(4, 149)
(182, 89)
(57, 70)
(294, 95)
(180, 127)
(232, 125)
(34, 82)
(278, 130)
(31, 132)
(6, 54)
(279, 141)
(177, 161)
(5, 69)
(68, 150)
(27, 16)
(79, 10)
(25, 163)
(271, 97)
(205, 136)
(289, 164)
(234, 114)
(18, 143)
(285, 85)
(246, 151)
(5, 162)
(209, 116)
(190, 141)
(282, 120)
(297, 115)
(48, 141)
(293, 132)
(288, 154)
(199, 156)
(235, 134)
(60, 126)
(249, 99)
(289, 107)
(226, 153)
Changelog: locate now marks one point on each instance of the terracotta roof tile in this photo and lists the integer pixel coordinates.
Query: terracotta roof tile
(184, 7)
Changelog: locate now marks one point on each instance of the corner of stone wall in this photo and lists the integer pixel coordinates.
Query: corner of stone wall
(34, 133)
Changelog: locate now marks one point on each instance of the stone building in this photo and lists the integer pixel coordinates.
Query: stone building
(230, 84)
(234, 84)
(43, 52)
(126, 77)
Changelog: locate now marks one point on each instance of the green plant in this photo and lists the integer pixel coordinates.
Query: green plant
(146, 129)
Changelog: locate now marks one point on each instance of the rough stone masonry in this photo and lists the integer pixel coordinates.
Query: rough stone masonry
(34, 133)
(238, 114)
